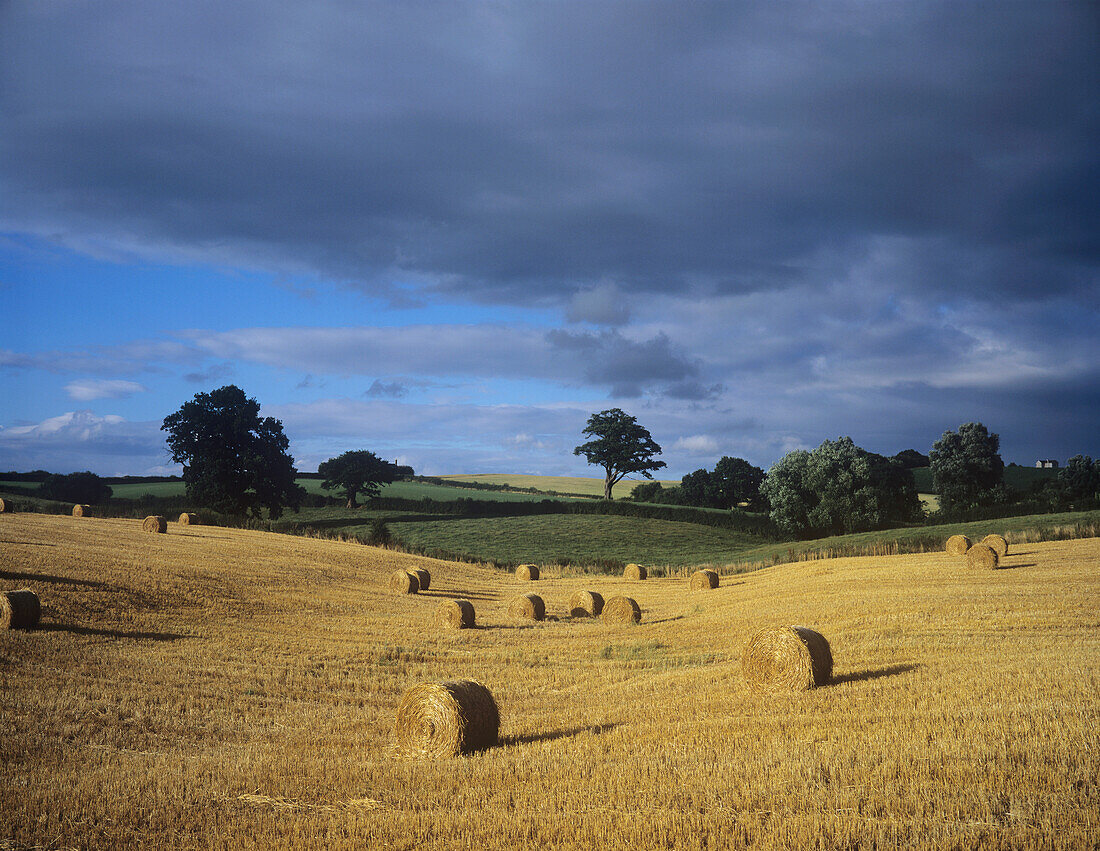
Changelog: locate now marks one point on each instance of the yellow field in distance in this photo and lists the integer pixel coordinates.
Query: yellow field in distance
(560, 484)
(222, 688)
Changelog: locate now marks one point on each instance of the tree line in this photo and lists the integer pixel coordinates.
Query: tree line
(237, 463)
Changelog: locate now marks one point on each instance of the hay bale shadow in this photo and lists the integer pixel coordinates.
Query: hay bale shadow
(46, 577)
(873, 674)
(465, 595)
(551, 735)
(110, 633)
(27, 543)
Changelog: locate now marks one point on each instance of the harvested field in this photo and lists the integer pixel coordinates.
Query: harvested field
(218, 688)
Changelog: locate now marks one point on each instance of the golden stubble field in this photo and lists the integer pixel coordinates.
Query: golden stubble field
(216, 688)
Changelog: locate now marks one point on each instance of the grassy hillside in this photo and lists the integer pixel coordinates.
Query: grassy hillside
(219, 688)
(1016, 478)
(402, 490)
(557, 484)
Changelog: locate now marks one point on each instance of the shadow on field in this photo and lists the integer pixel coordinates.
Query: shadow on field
(595, 729)
(877, 673)
(664, 620)
(27, 543)
(457, 595)
(46, 577)
(1004, 566)
(112, 633)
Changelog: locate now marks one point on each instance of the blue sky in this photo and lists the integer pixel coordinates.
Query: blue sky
(449, 232)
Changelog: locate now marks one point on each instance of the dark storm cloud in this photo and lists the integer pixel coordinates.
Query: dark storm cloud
(528, 153)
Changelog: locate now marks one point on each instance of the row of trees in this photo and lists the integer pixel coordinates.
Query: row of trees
(236, 462)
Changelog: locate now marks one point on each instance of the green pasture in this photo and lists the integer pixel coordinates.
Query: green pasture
(557, 484)
(1016, 478)
(581, 538)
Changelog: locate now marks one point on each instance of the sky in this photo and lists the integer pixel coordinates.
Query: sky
(449, 232)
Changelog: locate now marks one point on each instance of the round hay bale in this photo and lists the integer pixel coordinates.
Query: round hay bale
(4, 506)
(957, 545)
(154, 523)
(455, 614)
(527, 572)
(704, 580)
(187, 519)
(982, 556)
(404, 582)
(635, 571)
(998, 544)
(527, 606)
(423, 578)
(19, 609)
(446, 719)
(82, 511)
(786, 658)
(585, 604)
(621, 610)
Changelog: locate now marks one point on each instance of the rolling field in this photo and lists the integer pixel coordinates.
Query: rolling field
(558, 484)
(222, 688)
(582, 539)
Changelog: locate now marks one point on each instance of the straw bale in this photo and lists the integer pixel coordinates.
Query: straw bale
(621, 610)
(635, 571)
(982, 556)
(82, 511)
(404, 582)
(446, 719)
(423, 578)
(704, 580)
(997, 543)
(527, 606)
(957, 545)
(154, 523)
(187, 519)
(786, 658)
(585, 604)
(527, 572)
(19, 609)
(4, 506)
(455, 614)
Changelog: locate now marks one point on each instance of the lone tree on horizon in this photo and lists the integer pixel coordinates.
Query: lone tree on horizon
(233, 461)
(620, 446)
(357, 472)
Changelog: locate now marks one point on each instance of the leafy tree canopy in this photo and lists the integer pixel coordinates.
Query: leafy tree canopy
(356, 473)
(234, 461)
(967, 470)
(620, 445)
(1080, 478)
(839, 488)
(911, 459)
(85, 488)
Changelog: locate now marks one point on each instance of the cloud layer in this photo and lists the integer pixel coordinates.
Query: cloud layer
(755, 226)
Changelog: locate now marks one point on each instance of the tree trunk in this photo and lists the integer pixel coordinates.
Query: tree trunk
(608, 484)
(351, 502)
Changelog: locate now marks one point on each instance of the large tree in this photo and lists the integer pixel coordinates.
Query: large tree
(736, 481)
(620, 446)
(1080, 478)
(356, 473)
(839, 488)
(967, 470)
(234, 461)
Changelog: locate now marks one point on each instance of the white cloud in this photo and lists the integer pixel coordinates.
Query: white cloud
(83, 440)
(89, 389)
(700, 443)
